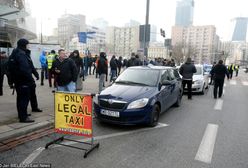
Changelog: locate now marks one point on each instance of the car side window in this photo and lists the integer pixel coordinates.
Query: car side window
(171, 73)
(176, 74)
(165, 76)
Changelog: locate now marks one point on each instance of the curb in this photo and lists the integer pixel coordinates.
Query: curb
(24, 130)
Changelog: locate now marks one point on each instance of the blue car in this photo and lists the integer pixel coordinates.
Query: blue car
(139, 95)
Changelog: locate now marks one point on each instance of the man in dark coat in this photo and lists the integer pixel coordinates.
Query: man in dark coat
(187, 70)
(24, 81)
(66, 71)
(102, 66)
(219, 71)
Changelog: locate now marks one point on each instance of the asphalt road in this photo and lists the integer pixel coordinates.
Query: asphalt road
(201, 133)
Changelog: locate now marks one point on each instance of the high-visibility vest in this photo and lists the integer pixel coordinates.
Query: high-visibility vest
(50, 59)
(231, 67)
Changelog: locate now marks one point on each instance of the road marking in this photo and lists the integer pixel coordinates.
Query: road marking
(32, 156)
(218, 104)
(223, 92)
(206, 148)
(38, 151)
(233, 82)
(245, 83)
(224, 84)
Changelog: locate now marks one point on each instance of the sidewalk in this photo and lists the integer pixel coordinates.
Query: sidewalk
(10, 127)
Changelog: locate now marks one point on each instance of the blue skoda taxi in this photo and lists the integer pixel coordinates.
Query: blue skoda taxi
(139, 95)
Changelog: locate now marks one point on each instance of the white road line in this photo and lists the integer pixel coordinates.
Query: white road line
(218, 104)
(233, 82)
(223, 92)
(32, 156)
(245, 83)
(224, 84)
(206, 148)
(38, 151)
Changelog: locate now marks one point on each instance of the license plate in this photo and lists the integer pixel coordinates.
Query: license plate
(110, 113)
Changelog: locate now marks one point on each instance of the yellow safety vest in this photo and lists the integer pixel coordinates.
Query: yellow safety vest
(50, 59)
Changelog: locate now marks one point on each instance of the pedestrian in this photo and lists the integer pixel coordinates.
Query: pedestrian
(119, 64)
(4, 71)
(237, 70)
(90, 63)
(21, 69)
(50, 59)
(94, 65)
(230, 70)
(187, 70)
(113, 68)
(102, 66)
(212, 75)
(66, 72)
(132, 61)
(219, 72)
(79, 64)
(43, 63)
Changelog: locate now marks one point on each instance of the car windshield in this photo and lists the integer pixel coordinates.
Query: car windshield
(198, 70)
(144, 77)
(207, 68)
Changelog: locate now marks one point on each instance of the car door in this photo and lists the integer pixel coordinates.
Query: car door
(174, 87)
(165, 91)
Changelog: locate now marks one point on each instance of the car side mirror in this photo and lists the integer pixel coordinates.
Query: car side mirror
(166, 82)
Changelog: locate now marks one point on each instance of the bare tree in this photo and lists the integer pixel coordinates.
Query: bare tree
(181, 52)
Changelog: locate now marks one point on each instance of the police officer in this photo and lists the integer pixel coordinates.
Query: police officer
(50, 60)
(23, 80)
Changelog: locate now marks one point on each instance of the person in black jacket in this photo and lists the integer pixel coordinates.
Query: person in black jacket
(102, 66)
(113, 67)
(219, 71)
(187, 70)
(66, 71)
(23, 80)
(79, 64)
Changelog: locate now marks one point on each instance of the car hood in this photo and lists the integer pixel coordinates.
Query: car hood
(127, 92)
(197, 77)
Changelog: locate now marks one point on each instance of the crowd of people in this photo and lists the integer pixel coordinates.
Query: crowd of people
(69, 70)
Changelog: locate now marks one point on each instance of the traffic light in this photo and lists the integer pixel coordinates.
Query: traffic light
(162, 32)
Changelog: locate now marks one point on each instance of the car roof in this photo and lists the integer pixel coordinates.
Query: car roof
(151, 67)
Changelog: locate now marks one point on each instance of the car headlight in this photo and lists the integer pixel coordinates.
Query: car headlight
(95, 99)
(138, 103)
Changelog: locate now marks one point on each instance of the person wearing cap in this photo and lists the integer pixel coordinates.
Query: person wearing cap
(24, 81)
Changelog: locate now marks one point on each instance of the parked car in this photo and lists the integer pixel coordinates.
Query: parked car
(139, 95)
(200, 79)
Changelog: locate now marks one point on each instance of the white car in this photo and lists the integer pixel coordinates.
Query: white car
(200, 79)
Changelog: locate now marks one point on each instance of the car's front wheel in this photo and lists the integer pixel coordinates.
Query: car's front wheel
(154, 116)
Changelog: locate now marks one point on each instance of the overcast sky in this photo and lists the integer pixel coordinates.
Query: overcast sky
(162, 12)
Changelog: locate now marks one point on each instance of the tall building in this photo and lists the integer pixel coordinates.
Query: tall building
(100, 23)
(68, 26)
(240, 29)
(200, 42)
(122, 41)
(13, 23)
(184, 13)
